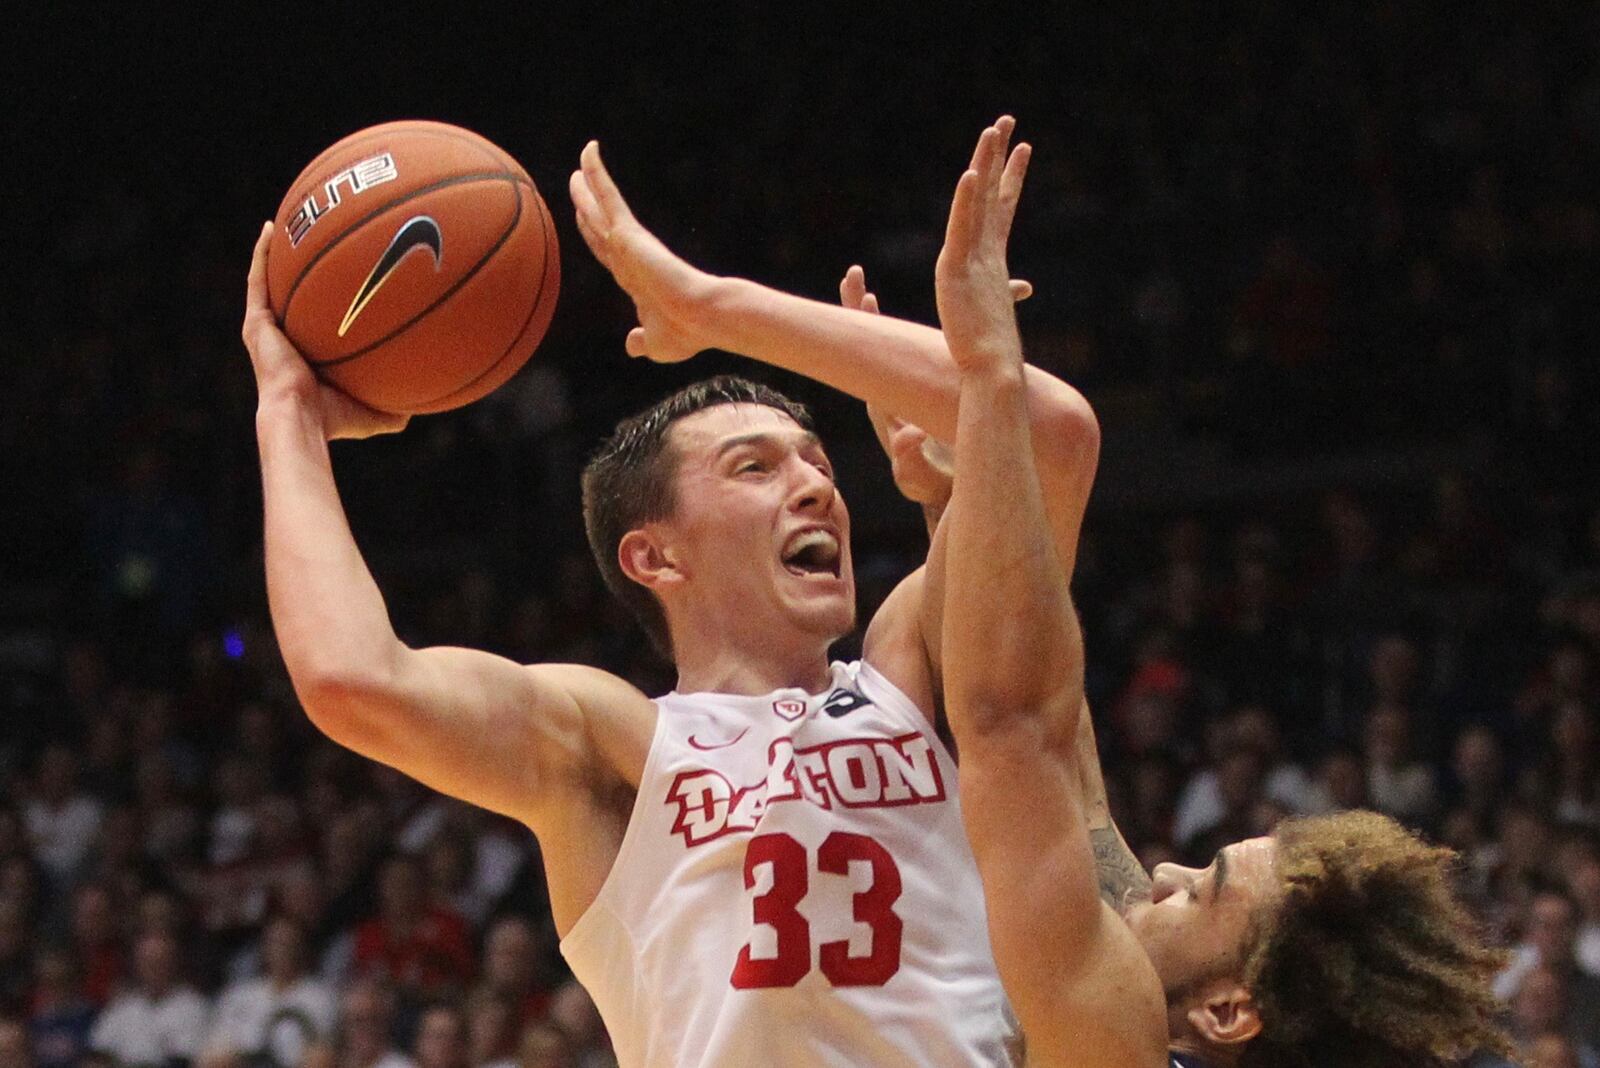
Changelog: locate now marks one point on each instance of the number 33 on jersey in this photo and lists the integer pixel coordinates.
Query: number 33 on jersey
(795, 887)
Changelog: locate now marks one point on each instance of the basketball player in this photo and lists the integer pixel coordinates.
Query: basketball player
(767, 865)
(1335, 941)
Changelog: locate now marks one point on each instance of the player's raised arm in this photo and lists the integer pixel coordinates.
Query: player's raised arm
(903, 368)
(1013, 672)
(504, 736)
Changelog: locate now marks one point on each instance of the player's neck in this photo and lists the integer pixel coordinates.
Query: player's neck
(751, 668)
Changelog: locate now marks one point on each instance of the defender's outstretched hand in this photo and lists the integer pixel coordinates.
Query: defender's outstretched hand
(665, 290)
(283, 374)
(971, 281)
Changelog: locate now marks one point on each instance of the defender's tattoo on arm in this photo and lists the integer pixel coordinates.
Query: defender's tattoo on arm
(1123, 880)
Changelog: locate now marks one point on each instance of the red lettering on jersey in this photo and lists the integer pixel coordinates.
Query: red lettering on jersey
(854, 772)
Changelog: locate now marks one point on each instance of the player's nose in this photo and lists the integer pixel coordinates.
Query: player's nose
(813, 490)
(1164, 880)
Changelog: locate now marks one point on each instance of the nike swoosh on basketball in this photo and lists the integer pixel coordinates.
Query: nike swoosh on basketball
(420, 231)
(706, 747)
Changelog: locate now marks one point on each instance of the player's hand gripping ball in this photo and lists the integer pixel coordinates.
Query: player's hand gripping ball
(415, 266)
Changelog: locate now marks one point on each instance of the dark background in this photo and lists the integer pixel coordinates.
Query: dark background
(1329, 278)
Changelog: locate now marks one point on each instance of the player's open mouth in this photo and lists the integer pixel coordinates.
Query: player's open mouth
(812, 552)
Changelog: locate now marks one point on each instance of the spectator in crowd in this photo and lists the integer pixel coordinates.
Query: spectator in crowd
(1541, 1008)
(1548, 950)
(1397, 782)
(160, 1018)
(62, 820)
(1251, 731)
(510, 967)
(1574, 765)
(16, 1051)
(16, 948)
(420, 945)
(441, 1040)
(236, 785)
(573, 1012)
(1585, 886)
(59, 1017)
(1478, 780)
(492, 1030)
(278, 1015)
(545, 1045)
(366, 1028)
(1341, 782)
(96, 942)
(1555, 1050)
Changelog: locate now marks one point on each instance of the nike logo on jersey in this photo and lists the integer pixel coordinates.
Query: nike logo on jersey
(706, 747)
(842, 702)
(417, 232)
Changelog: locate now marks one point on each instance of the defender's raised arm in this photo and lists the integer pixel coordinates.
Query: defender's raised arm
(1013, 672)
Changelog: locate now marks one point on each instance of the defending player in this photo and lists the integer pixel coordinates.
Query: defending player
(1336, 941)
(767, 865)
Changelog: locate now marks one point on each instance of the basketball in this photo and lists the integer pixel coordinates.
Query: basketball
(415, 266)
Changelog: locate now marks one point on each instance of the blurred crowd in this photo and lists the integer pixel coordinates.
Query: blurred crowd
(1364, 230)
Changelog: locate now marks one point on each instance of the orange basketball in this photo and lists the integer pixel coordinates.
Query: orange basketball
(414, 265)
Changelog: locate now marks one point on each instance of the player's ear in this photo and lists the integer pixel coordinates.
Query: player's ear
(646, 559)
(1226, 1014)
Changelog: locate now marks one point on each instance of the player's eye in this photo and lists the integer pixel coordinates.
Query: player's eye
(748, 466)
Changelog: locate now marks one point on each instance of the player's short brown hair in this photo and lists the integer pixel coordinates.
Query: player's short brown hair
(632, 480)
(1369, 959)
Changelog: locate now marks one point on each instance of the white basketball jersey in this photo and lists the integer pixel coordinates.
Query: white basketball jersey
(795, 888)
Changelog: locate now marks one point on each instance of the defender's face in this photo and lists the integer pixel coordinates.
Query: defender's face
(1194, 925)
(760, 531)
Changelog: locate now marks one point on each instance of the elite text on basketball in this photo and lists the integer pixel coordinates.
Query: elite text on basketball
(358, 177)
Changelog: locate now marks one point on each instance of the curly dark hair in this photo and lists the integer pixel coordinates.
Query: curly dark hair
(1369, 959)
(629, 481)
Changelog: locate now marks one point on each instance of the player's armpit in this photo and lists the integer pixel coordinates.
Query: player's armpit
(512, 738)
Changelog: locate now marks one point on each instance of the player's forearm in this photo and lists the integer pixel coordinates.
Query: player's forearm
(333, 628)
(1012, 652)
(902, 367)
(1122, 878)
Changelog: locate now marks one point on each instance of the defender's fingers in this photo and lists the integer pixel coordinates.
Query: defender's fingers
(962, 227)
(981, 149)
(600, 184)
(852, 287)
(1006, 125)
(869, 303)
(1010, 192)
(1021, 290)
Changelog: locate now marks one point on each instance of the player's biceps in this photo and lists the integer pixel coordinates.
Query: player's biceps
(501, 711)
